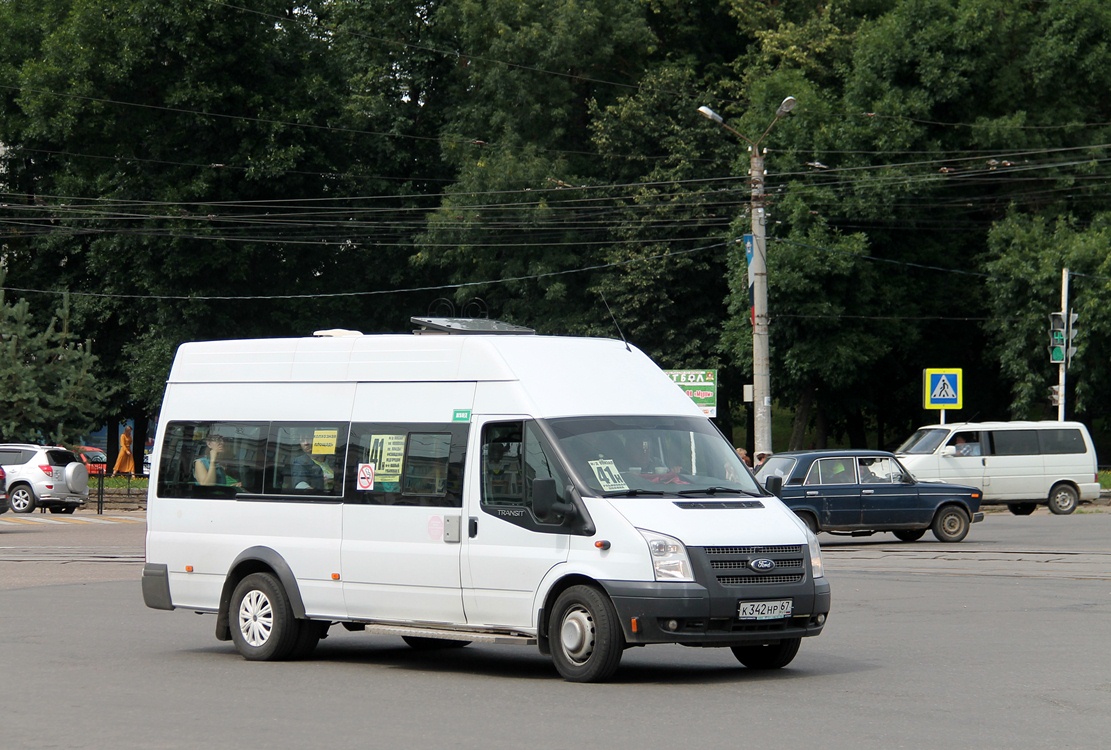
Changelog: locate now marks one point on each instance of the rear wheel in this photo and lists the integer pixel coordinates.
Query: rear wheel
(810, 521)
(63, 508)
(1063, 500)
(909, 535)
(586, 639)
(769, 656)
(309, 634)
(1022, 509)
(21, 499)
(951, 524)
(262, 623)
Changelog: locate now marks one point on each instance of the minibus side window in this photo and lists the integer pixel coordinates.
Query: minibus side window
(305, 458)
(406, 464)
(212, 459)
(1061, 441)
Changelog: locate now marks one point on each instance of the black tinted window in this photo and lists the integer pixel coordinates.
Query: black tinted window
(1063, 440)
(1015, 443)
(61, 458)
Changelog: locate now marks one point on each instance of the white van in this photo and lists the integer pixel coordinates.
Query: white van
(555, 492)
(1022, 464)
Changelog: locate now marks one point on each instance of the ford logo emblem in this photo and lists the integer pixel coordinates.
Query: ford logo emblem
(763, 565)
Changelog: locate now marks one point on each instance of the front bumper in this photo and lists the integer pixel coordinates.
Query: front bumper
(687, 614)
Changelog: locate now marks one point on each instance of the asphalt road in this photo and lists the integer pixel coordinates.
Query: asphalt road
(997, 642)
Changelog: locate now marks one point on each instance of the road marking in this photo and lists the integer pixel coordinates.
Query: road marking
(31, 520)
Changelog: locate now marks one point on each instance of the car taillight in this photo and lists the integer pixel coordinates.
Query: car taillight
(47, 469)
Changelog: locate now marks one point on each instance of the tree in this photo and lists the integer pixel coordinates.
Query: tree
(48, 391)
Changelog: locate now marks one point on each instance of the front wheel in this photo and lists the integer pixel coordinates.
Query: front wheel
(586, 639)
(768, 656)
(909, 535)
(951, 524)
(263, 627)
(1022, 509)
(1063, 500)
(21, 499)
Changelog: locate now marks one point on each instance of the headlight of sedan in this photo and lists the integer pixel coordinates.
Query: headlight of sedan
(815, 554)
(669, 557)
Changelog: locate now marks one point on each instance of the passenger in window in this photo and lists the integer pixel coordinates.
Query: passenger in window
(309, 471)
(965, 448)
(207, 469)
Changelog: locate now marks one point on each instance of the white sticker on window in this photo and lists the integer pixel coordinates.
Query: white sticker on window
(608, 476)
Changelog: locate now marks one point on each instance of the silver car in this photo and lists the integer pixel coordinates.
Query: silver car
(41, 476)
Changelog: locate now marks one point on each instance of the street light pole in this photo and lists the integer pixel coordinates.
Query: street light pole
(758, 271)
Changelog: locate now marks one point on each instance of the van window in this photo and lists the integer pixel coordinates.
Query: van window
(924, 441)
(189, 470)
(1060, 441)
(305, 458)
(406, 464)
(1015, 442)
(513, 455)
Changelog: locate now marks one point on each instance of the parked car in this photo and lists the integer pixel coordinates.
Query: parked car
(43, 476)
(95, 459)
(862, 492)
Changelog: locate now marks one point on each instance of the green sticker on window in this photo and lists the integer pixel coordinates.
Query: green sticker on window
(461, 415)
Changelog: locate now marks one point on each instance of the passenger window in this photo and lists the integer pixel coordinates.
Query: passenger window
(1015, 442)
(514, 454)
(406, 464)
(831, 471)
(1061, 441)
(306, 458)
(212, 459)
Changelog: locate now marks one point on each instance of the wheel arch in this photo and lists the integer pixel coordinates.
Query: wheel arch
(553, 593)
(257, 560)
(1068, 483)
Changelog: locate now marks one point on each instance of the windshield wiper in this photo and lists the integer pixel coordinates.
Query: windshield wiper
(716, 490)
(631, 493)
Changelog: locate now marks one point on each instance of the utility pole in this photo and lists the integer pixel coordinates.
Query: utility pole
(1064, 363)
(758, 272)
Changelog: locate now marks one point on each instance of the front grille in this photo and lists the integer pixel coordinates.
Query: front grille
(749, 580)
(783, 549)
(731, 567)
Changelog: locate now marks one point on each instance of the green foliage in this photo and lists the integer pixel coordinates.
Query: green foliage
(48, 391)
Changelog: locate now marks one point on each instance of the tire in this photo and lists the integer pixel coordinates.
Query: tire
(432, 644)
(810, 521)
(262, 623)
(1022, 509)
(76, 477)
(68, 509)
(1063, 499)
(909, 535)
(309, 633)
(951, 524)
(773, 656)
(21, 499)
(586, 639)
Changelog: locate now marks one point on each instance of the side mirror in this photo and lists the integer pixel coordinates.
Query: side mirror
(544, 502)
(949, 450)
(774, 485)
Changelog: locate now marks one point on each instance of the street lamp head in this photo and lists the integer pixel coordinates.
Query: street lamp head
(787, 105)
(710, 114)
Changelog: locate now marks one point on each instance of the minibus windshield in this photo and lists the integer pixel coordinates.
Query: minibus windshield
(650, 456)
(923, 441)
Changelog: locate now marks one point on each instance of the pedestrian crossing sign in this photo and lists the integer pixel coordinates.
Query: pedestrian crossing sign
(942, 389)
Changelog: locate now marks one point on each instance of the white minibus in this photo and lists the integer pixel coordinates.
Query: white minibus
(494, 488)
(1022, 464)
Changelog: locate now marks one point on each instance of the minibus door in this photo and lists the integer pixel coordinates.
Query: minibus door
(507, 550)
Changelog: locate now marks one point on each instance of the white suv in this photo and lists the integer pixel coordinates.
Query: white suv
(41, 476)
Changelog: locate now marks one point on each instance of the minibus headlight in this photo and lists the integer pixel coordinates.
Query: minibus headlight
(815, 554)
(669, 557)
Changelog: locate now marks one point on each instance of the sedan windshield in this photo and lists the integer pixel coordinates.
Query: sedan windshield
(647, 456)
(923, 442)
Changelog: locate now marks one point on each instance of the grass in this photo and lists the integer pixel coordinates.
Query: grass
(1105, 480)
(134, 484)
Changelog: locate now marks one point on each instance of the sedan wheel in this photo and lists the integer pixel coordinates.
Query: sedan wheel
(1063, 500)
(951, 524)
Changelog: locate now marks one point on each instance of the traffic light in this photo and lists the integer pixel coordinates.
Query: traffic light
(1057, 338)
(1055, 395)
(1071, 337)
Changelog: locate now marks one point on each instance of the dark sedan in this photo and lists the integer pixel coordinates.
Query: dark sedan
(862, 492)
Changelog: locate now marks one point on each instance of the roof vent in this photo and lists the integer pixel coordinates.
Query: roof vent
(336, 333)
(467, 326)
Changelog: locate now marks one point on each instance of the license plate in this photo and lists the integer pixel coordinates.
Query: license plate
(773, 609)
